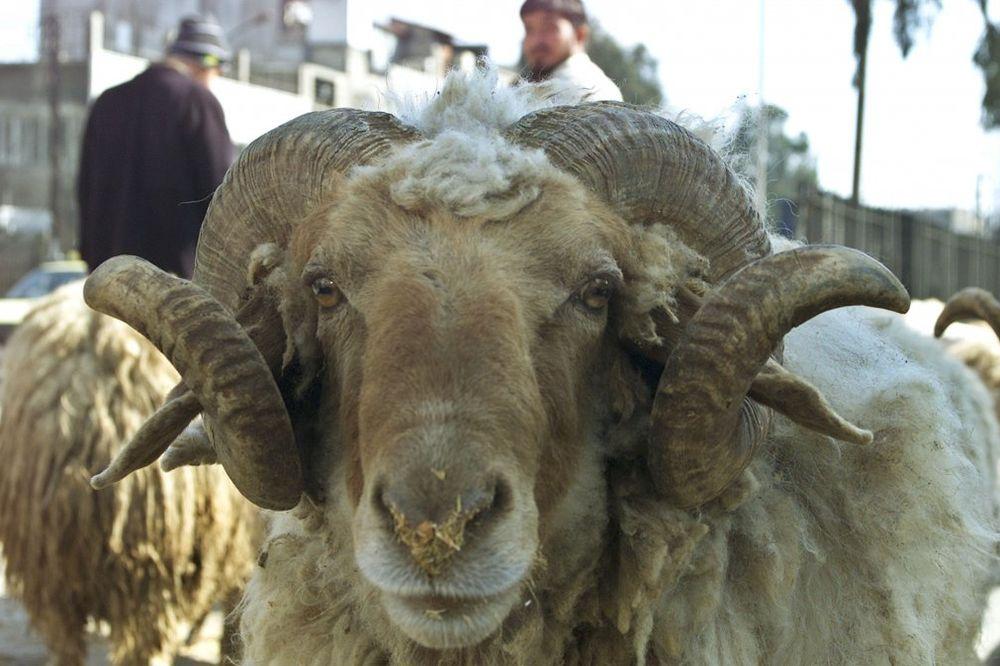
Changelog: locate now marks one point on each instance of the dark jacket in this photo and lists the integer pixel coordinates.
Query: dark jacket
(154, 151)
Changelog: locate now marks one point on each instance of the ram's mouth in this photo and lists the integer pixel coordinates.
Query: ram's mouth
(447, 622)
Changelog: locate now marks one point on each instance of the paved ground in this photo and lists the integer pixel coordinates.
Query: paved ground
(19, 646)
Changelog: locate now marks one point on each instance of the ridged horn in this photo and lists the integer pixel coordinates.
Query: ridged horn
(651, 170)
(703, 436)
(773, 387)
(259, 316)
(277, 180)
(220, 365)
(969, 303)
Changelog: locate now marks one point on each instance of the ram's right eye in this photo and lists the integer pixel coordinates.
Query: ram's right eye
(328, 295)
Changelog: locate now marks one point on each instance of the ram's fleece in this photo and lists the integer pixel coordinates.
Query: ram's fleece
(526, 382)
(149, 557)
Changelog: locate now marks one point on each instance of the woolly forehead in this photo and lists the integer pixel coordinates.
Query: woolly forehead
(535, 220)
(469, 174)
(465, 166)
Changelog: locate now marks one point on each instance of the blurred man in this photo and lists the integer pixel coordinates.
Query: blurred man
(154, 151)
(555, 34)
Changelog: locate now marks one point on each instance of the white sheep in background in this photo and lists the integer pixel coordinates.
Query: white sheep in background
(148, 557)
(530, 383)
(974, 342)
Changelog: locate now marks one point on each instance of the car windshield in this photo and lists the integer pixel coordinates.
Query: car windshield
(39, 282)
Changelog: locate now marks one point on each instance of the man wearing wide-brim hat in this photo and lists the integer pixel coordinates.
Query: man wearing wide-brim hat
(154, 150)
(555, 37)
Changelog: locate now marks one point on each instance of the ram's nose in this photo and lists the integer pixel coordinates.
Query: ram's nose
(430, 516)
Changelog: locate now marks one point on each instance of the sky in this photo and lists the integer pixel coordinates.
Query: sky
(18, 30)
(923, 144)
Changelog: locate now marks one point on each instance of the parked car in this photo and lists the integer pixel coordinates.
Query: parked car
(31, 286)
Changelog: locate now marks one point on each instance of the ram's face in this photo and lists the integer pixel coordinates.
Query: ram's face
(462, 358)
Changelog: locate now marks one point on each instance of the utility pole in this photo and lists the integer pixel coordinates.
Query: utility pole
(859, 129)
(862, 31)
(52, 41)
(979, 208)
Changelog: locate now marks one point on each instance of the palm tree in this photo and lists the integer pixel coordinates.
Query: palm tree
(909, 16)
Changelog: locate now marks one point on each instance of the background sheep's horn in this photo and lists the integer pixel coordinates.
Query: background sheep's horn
(704, 429)
(219, 363)
(969, 303)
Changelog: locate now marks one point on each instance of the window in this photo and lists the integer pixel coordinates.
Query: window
(325, 92)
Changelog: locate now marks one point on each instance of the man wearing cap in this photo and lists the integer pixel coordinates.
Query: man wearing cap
(154, 150)
(555, 34)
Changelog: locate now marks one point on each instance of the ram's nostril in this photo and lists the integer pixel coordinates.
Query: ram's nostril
(503, 497)
(476, 502)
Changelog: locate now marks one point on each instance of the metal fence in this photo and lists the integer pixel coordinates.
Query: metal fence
(931, 260)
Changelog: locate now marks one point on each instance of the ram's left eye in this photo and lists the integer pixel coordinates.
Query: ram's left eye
(595, 294)
(328, 295)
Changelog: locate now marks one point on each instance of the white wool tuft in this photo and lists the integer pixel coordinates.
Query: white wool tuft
(469, 174)
(477, 102)
(466, 166)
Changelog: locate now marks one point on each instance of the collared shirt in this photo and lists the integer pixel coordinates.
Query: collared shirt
(580, 71)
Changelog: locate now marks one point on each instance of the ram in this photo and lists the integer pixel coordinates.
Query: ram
(522, 387)
(147, 558)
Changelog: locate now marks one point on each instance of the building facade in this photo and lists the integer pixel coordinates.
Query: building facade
(292, 57)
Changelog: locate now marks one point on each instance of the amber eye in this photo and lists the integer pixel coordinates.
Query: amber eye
(327, 293)
(596, 294)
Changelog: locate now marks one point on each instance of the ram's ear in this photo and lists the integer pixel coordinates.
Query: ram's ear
(663, 283)
(275, 276)
(286, 319)
(659, 273)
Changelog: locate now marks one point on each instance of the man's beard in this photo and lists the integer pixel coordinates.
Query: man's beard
(537, 75)
(540, 73)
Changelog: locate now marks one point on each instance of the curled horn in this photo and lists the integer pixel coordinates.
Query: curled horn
(969, 303)
(219, 363)
(259, 316)
(650, 170)
(702, 439)
(277, 181)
